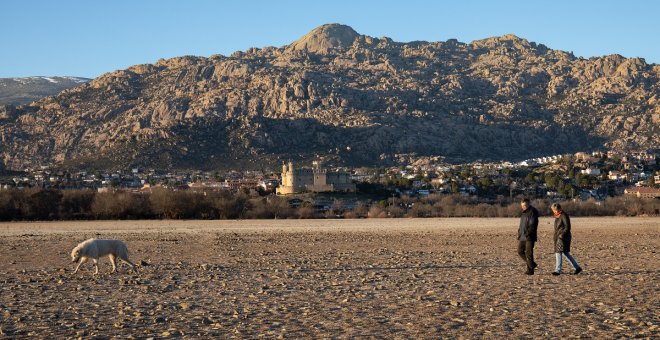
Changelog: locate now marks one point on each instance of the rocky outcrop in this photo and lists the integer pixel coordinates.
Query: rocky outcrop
(325, 39)
(7, 111)
(348, 98)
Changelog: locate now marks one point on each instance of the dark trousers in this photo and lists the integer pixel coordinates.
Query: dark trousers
(526, 252)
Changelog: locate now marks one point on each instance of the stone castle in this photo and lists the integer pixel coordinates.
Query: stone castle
(314, 179)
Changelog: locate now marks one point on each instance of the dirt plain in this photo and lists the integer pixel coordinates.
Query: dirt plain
(375, 278)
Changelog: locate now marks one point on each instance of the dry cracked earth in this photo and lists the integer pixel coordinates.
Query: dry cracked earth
(377, 278)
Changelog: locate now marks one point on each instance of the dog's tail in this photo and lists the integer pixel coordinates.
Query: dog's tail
(124, 250)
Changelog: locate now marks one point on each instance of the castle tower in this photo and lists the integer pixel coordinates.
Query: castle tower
(291, 176)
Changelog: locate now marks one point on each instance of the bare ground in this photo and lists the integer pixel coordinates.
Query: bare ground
(384, 278)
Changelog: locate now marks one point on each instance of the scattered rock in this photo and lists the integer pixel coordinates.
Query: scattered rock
(494, 302)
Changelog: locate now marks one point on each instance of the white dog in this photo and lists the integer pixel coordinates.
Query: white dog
(93, 249)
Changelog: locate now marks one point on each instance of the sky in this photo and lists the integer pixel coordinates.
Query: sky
(87, 38)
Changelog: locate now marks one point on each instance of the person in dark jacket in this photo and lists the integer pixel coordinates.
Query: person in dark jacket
(527, 234)
(562, 239)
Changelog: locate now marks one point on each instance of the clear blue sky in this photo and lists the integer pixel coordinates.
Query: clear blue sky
(90, 37)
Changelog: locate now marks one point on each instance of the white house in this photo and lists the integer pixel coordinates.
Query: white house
(590, 171)
(615, 176)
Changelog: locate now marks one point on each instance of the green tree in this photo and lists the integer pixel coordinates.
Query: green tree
(530, 179)
(550, 180)
(563, 188)
(485, 182)
(651, 181)
(454, 187)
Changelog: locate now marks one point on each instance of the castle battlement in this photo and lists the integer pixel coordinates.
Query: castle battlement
(315, 179)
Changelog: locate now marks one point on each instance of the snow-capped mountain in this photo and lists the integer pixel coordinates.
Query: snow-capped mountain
(17, 91)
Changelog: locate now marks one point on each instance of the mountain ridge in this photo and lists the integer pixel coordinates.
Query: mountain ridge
(366, 103)
(23, 90)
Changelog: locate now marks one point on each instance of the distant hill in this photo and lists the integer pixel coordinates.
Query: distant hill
(346, 98)
(18, 91)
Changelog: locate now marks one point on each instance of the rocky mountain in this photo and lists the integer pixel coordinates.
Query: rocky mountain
(345, 97)
(18, 91)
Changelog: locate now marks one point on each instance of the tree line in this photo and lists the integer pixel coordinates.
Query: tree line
(49, 204)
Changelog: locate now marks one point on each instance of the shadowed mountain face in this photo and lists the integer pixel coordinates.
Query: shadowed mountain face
(18, 91)
(345, 97)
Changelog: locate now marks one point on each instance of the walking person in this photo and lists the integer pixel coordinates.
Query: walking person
(527, 234)
(563, 239)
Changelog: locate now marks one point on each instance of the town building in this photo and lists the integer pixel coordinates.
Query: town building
(590, 171)
(584, 157)
(313, 179)
(238, 184)
(615, 176)
(643, 192)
